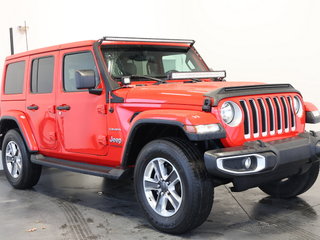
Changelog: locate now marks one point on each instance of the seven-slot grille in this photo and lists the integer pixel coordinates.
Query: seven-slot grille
(268, 116)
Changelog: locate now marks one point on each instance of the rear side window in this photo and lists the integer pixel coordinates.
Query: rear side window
(14, 78)
(42, 75)
(74, 62)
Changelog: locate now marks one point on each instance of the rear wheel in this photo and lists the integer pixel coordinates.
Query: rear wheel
(172, 185)
(20, 172)
(294, 185)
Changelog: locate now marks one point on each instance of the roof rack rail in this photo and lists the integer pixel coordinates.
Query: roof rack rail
(130, 39)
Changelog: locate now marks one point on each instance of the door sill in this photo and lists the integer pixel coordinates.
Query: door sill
(96, 170)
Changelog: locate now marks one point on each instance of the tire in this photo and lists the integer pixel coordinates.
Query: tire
(180, 197)
(20, 171)
(292, 186)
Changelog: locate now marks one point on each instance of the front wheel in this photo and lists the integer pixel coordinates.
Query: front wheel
(19, 170)
(294, 185)
(172, 185)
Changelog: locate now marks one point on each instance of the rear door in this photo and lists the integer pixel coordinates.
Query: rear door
(81, 116)
(40, 103)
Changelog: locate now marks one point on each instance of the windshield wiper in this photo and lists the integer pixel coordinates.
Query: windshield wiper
(196, 80)
(147, 77)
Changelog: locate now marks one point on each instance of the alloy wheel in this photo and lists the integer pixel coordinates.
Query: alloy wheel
(162, 187)
(13, 159)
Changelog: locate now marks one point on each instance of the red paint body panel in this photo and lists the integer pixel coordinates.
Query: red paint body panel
(50, 49)
(82, 128)
(23, 123)
(310, 107)
(95, 130)
(42, 120)
(177, 93)
(186, 117)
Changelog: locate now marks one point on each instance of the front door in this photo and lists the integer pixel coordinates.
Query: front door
(81, 116)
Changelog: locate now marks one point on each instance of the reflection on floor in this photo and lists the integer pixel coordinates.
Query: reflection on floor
(67, 205)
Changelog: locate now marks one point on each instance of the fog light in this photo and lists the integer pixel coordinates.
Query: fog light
(247, 162)
(242, 164)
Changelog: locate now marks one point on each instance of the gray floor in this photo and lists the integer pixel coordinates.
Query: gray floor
(67, 205)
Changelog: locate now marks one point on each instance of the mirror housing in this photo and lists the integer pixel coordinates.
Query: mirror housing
(85, 79)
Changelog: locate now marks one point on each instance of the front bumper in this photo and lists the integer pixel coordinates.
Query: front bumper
(269, 160)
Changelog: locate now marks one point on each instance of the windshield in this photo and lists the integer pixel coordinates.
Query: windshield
(152, 61)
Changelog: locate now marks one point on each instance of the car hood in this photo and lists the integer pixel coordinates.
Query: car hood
(178, 93)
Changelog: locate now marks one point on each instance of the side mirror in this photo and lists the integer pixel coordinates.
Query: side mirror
(85, 79)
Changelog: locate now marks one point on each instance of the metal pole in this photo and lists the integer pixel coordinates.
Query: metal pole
(11, 41)
(26, 30)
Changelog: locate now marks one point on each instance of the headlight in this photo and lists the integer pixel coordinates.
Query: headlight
(227, 112)
(297, 106)
(231, 113)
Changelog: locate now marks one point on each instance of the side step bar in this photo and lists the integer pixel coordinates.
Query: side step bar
(96, 170)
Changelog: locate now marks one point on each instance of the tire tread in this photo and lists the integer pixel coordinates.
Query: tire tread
(296, 184)
(31, 172)
(201, 183)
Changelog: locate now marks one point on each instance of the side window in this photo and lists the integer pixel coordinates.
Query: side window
(14, 78)
(72, 63)
(42, 75)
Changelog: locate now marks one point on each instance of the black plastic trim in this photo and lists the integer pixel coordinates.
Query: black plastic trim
(283, 158)
(190, 136)
(134, 115)
(209, 136)
(109, 83)
(115, 98)
(206, 107)
(95, 91)
(63, 108)
(96, 170)
(33, 107)
(246, 90)
(310, 118)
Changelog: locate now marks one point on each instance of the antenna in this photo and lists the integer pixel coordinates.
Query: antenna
(11, 41)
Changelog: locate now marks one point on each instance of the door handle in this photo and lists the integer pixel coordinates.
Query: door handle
(33, 107)
(63, 107)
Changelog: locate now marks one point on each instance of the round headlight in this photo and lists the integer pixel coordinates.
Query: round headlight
(227, 112)
(297, 105)
(231, 113)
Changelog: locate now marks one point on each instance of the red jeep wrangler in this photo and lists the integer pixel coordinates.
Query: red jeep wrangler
(111, 106)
